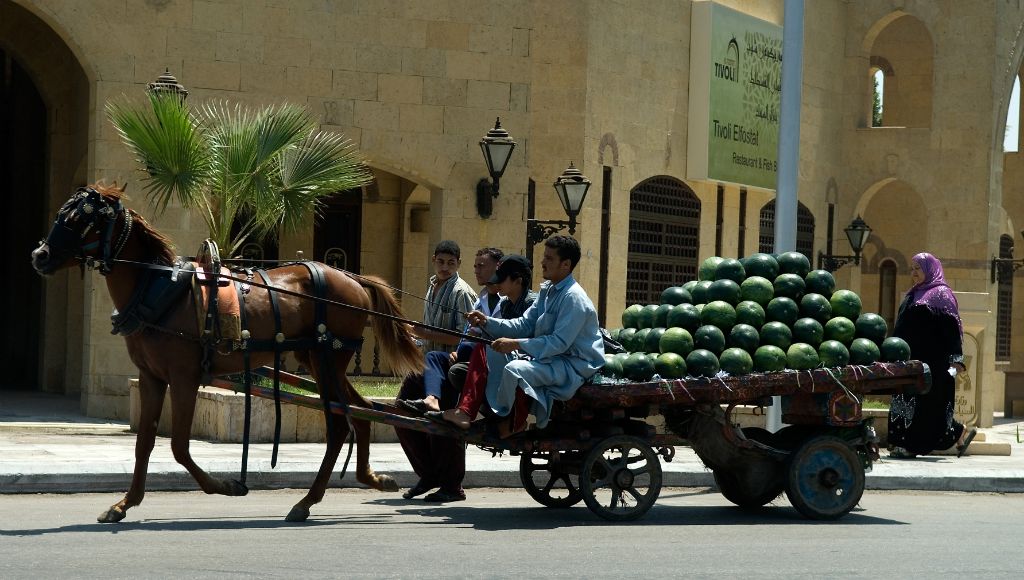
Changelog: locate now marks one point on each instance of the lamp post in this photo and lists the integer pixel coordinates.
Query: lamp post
(1003, 268)
(571, 187)
(857, 232)
(497, 146)
(167, 84)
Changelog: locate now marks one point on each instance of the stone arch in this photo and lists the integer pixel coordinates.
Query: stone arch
(898, 217)
(53, 65)
(900, 45)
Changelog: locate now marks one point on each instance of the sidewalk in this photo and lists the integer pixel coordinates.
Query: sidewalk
(47, 446)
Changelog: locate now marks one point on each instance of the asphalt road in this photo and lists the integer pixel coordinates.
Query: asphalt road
(503, 533)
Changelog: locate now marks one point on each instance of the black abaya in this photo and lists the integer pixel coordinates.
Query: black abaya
(923, 423)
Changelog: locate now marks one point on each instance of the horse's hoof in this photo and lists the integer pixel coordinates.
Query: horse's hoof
(237, 488)
(298, 514)
(111, 516)
(388, 483)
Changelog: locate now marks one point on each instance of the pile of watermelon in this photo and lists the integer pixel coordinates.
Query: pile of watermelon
(764, 313)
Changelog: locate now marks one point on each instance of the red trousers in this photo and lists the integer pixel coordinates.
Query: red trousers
(474, 391)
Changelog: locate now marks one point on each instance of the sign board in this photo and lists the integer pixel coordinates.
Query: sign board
(735, 89)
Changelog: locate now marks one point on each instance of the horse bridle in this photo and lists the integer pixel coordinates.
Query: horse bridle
(90, 208)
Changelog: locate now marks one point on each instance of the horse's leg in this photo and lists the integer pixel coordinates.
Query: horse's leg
(338, 427)
(151, 402)
(183, 405)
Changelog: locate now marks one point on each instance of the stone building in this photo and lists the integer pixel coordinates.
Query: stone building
(604, 84)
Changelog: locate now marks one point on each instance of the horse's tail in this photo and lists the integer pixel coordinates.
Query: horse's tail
(393, 337)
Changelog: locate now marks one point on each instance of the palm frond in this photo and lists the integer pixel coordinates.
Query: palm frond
(171, 147)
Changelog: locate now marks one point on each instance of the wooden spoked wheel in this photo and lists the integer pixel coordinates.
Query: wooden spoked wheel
(825, 478)
(546, 477)
(621, 478)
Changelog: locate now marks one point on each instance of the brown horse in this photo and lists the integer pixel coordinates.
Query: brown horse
(93, 227)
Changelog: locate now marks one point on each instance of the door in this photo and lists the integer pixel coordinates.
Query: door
(338, 230)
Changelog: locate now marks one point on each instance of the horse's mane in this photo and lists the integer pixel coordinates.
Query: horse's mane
(156, 247)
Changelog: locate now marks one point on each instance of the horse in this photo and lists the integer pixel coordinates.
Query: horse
(94, 228)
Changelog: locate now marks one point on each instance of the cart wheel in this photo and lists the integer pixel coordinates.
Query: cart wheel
(826, 478)
(621, 478)
(546, 478)
(746, 493)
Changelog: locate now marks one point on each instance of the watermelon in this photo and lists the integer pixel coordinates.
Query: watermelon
(675, 295)
(719, 313)
(670, 365)
(638, 367)
(703, 363)
(769, 358)
(808, 331)
(689, 287)
(699, 293)
(677, 340)
(707, 269)
(647, 315)
(801, 356)
(763, 265)
(833, 353)
(661, 315)
(725, 290)
(612, 367)
(757, 289)
(872, 327)
(653, 340)
(820, 282)
(776, 334)
(736, 361)
(710, 338)
(816, 306)
(794, 263)
(630, 316)
(640, 340)
(845, 303)
(864, 352)
(744, 336)
(840, 328)
(684, 316)
(749, 312)
(730, 269)
(789, 285)
(626, 336)
(783, 310)
(894, 349)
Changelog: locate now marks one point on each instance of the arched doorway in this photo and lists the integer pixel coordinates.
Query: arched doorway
(23, 165)
(44, 127)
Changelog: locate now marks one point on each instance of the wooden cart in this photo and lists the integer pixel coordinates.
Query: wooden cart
(601, 449)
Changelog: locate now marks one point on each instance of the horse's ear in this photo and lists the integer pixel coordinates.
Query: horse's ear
(124, 187)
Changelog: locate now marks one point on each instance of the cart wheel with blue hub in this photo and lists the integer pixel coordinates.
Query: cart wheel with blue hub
(825, 479)
(551, 478)
(621, 478)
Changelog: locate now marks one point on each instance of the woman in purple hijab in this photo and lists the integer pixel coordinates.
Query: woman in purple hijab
(929, 320)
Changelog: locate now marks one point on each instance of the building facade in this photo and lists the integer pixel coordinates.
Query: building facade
(604, 84)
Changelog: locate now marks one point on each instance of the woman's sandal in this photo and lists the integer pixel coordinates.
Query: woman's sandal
(961, 448)
(449, 417)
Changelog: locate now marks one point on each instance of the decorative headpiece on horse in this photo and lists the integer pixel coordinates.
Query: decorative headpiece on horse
(85, 213)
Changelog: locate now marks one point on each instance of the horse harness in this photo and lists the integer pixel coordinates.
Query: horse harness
(161, 287)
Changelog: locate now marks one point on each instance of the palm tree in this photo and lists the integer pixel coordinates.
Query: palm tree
(268, 166)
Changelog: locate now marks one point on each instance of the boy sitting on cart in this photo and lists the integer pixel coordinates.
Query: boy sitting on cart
(560, 333)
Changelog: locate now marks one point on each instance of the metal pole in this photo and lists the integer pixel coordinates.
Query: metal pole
(531, 210)
(602, 281)
(789, 149)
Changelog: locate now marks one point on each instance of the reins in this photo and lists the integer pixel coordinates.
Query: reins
(470, 337)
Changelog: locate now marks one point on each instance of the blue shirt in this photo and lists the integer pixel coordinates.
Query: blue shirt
(562, 323)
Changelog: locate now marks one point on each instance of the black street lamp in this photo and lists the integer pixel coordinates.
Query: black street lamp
(497, 146)
(167, 84)
(857, 232)
(571, 188)
(1002, 269)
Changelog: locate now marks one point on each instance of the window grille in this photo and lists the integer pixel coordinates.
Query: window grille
(664, 234)
(804, 230)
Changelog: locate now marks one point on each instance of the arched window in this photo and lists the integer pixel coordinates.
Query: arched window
(664, 234)
(804, 230)
(1011, 137)
(903, 51)
(1004, 301)
(887, 300)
